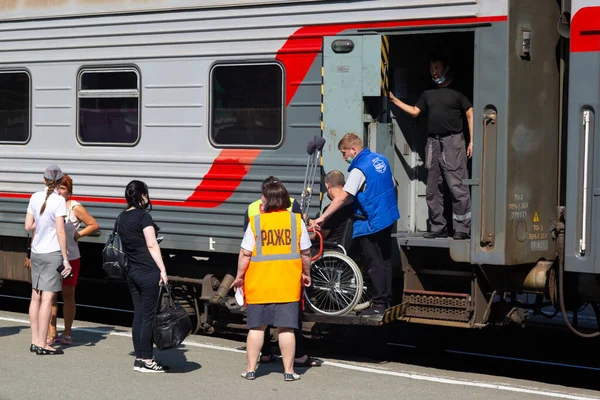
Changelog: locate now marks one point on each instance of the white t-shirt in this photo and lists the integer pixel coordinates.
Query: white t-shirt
(249, 240)
(72, 224)
(45, 240)
(355, 182)
(356, 179)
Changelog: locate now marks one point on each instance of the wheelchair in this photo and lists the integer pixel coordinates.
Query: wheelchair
(338, 284)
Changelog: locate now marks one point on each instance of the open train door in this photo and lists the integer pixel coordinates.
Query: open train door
(354, 87)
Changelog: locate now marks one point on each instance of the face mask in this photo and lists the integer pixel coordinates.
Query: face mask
(349, 160)
(440, 80)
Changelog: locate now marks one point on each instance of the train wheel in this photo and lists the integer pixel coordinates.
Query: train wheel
(337, 284)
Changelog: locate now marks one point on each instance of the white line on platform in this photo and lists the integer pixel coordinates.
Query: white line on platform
(525, 360)
(406, 375)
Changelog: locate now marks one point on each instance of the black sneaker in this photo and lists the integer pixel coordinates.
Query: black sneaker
(433, 235)
(374, 310)
(153, 366)
(137, 364)
(460, 236)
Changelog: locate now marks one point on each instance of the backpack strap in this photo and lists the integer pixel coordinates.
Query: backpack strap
(115, 230)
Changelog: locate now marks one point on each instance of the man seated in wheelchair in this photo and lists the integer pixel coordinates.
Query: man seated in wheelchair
(337, 230)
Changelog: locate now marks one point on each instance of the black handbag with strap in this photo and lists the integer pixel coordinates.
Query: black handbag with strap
(115, 262)
(171, 324)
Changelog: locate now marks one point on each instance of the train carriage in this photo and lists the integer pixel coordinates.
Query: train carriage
(204, 101)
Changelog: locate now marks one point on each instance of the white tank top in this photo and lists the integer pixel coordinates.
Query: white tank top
(71, 226)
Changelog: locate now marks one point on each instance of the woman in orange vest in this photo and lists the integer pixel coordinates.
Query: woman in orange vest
(273, 265)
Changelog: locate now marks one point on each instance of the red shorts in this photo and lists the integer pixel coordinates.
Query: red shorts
(72, 281)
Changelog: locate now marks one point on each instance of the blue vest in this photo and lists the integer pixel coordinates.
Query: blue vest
(377, 201)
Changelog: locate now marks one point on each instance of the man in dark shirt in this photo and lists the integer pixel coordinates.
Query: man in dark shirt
(445, 151)
(334, 228)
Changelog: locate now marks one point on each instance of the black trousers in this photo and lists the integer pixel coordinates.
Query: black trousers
(377, 250)
(143, 286)
(300, 351)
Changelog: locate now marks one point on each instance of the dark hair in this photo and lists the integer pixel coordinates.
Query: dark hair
(133, 194)
(276, 195)
(266, 182)
(335, 178)
(441, 57)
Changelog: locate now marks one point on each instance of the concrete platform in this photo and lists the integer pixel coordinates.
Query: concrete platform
(99, 366)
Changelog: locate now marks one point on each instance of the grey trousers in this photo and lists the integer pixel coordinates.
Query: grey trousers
(446, 159)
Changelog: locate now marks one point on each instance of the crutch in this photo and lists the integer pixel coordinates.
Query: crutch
(314, 150)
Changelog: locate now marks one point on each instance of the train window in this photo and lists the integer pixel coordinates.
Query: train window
(246, 105)
(15, 106)
(109, 106)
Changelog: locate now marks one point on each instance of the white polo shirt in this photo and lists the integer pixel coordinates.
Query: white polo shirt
(45, 240)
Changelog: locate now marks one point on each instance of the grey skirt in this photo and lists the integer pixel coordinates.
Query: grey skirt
(43, 271)
(279, 315)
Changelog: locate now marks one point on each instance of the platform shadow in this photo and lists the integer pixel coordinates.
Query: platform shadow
(89, 337)
(12, 330)
(176, 360)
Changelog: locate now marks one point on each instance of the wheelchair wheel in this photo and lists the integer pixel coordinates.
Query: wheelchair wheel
(337, 284)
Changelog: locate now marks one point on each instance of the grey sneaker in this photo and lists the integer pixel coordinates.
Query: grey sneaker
(250, 375)
(290, 377)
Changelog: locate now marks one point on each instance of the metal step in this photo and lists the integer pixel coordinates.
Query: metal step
(442, 306)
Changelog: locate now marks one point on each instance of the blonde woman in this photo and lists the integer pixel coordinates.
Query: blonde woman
(46, 215)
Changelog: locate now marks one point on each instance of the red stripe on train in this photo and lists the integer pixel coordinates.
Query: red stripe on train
(297, 55)
(585, 30)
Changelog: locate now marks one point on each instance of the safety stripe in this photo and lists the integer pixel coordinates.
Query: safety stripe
(294, 249)
(293, 255)
(392, 314)
(385, 56)
(276, 257)
(257, 232)
(462, 217)
(322, 114)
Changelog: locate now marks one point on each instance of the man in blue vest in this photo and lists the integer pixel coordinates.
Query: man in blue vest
(371, 186)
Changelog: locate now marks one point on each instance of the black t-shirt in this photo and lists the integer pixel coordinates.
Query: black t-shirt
(295, 209)
(444, 107)
(336, 224)
(131, 226)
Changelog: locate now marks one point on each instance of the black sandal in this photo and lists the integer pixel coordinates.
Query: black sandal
(48, 352)
(309, 362)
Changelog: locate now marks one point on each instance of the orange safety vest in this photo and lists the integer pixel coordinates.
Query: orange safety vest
(275, 271)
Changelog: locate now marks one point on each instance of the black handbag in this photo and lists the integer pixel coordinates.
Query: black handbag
(171, 324)
(115, 262)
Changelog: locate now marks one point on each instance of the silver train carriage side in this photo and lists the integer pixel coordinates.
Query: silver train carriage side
(204, 102)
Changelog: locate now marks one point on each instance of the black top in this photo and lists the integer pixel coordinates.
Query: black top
(444, 107)
(295, 209)
(336, 224)
(131, 226)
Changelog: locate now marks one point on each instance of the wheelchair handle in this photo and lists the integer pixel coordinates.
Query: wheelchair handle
(320, 253)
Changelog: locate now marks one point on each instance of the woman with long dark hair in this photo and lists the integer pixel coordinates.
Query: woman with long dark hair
(147, 271)
(46, 215)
